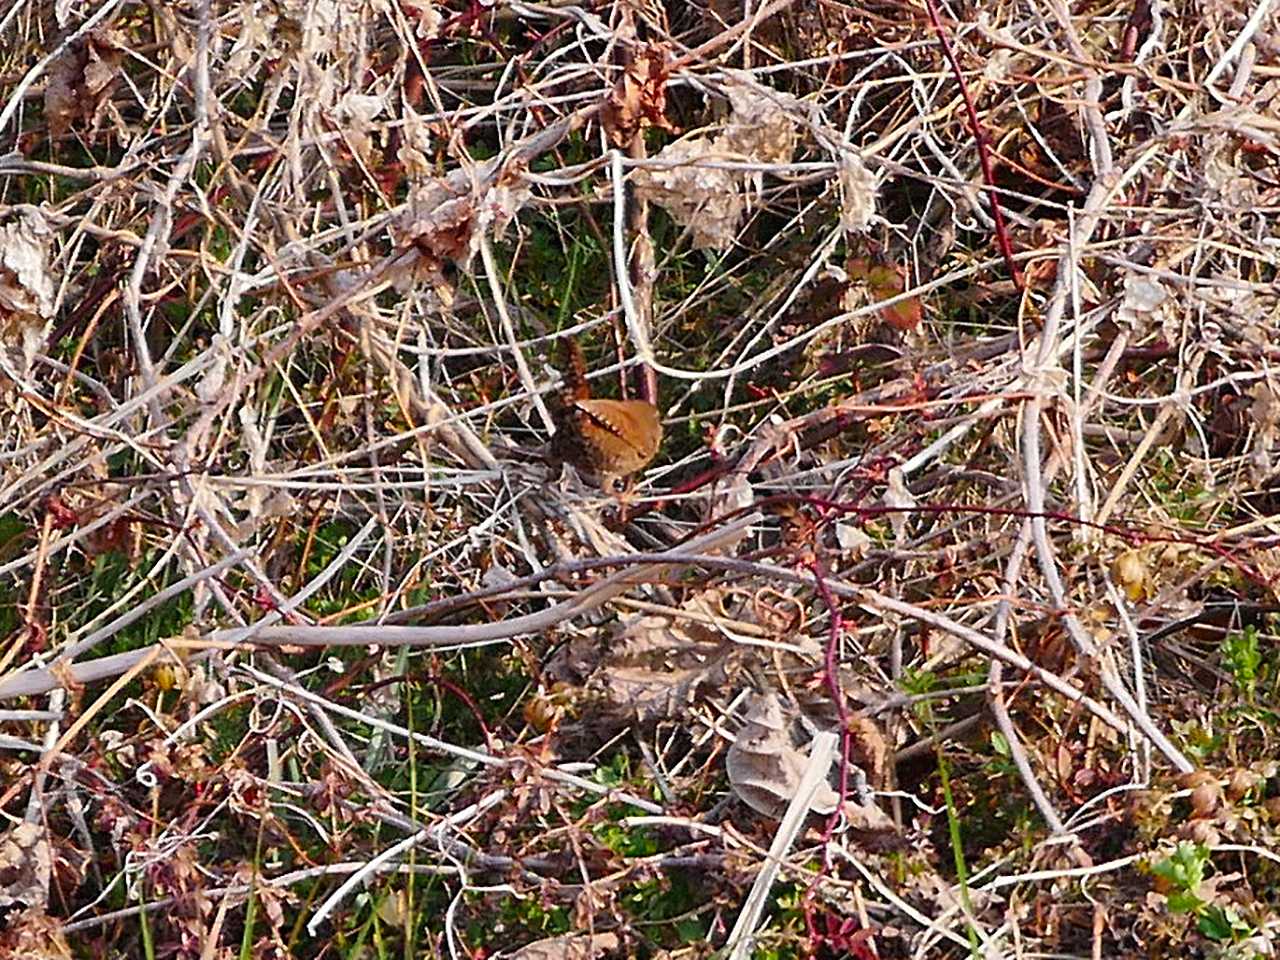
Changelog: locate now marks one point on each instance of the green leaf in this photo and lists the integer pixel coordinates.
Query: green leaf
(690, 931)
(1183, 872)
(1221, 923)
(1184, 902)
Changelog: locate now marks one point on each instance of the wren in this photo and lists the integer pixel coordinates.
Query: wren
(603, 439)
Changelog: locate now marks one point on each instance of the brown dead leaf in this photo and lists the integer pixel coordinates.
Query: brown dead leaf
(27, 287)
(710, 200)
(34, 935)
(647, 667)
(442, 224)
(254, 40)
(113, 537)
(416, 147)
(731, 495)
(428, 16)
(25, 866)
(658, 666)
(1264, 412)
(898, 498)
(594, 902)
(867, 818)
(1131, 572)
(70, 864)
(81, 81)
(857, 194)
(705, 199)
(574, 946)
(869, 749)
(759, 129)
(446, 218)
(765, 765)
(179, 874)
(639, 99)
(545, 709)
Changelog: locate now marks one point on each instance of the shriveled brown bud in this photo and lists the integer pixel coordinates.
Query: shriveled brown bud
(1241, 782)
(1202, 831)
(1196, 778)
(1206, 798)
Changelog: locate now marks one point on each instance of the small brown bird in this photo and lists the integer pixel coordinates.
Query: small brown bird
(603, 439)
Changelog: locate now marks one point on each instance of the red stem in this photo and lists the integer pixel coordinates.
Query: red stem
(979, 138)
(831, 676)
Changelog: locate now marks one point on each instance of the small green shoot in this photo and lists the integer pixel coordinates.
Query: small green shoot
(1180, 874)
(1242, 657)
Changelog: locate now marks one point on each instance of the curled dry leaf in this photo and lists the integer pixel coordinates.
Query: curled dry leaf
(648, 667)
(711, 201)
(1147, 307)
(1142, 295)
(731, 495)
(442, 221)
(576, 946)
(872, 824)
(1206, 798)
(854, 542)
(323, 30)
(1225, 178)
(1240, 781)
(209, 387)
(26, 287)
(81, 81)
(765, 765)
(254, 40)
(899, 499)
(354, 114)
(759, 129)
(446, 218)
(416, 147)
(664, 677)
(705, 199)
(361, 109)
(869, 749)
(1132, 574)
(857, 194)
(1264, 411)
(639, 99)
(61, 670)
(429, 18)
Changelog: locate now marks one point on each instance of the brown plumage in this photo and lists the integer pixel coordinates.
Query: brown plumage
(603, 439)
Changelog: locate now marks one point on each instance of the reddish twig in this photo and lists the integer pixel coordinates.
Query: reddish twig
(980, 139)
(1131, 535)
(831, 677)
